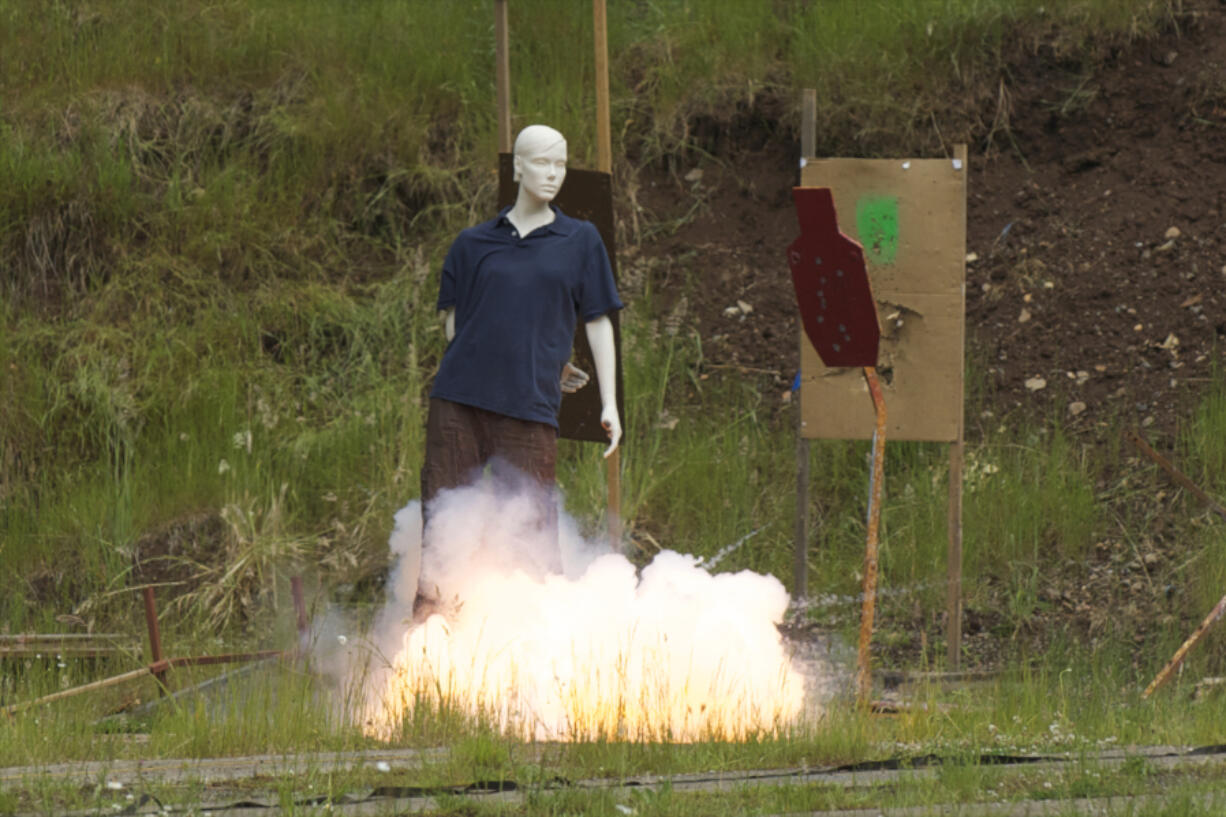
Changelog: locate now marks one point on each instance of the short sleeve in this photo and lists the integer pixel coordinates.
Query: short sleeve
(597, 291)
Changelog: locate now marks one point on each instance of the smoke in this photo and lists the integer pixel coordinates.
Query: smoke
(566, 640)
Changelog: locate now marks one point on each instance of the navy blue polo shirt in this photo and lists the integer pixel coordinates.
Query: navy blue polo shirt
(517, 300)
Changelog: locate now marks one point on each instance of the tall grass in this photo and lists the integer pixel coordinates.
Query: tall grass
(218, 230)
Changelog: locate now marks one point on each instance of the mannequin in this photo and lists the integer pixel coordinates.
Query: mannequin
(511, 292)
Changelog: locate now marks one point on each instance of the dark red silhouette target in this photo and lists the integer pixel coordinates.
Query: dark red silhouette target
(832, 287)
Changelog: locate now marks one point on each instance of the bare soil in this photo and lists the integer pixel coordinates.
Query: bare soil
(1096, 230)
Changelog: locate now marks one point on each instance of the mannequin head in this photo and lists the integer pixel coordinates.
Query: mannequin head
(540, 162)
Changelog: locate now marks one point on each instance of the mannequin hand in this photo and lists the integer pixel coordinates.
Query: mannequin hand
(612, 424)
(573, 378)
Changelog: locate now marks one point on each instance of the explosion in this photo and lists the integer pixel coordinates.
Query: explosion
(596, 651)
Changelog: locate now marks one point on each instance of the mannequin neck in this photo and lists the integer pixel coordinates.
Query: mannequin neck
(529, 213)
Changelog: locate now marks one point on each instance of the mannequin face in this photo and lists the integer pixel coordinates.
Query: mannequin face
(541, 168)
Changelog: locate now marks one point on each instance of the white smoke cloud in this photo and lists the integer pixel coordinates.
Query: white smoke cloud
(577, 646)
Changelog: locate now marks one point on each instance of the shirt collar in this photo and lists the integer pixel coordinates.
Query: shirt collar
(562, 224)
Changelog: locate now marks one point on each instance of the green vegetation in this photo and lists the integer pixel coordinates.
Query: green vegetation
(219, 231)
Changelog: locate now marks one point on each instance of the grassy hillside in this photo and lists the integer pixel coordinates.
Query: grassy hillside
(219, 230)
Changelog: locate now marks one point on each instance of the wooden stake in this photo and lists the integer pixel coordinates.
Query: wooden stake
(864, 676)
(502, 69)
(1183, 650)
(604, 163)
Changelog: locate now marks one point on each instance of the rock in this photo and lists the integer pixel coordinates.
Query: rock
(1082, 376)
(744, 307)
(1172, 234)
(694, 175)
(1036, 384)
(1076, 407)
(1024, 316)
(1167, 247)
(972, 257)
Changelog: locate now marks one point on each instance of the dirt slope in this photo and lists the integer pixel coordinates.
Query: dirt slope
(1096, 221)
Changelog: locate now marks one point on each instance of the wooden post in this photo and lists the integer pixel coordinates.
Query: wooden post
(604, 135)
(155, 636)
(800, 558)
(502, 70)
(604, 163)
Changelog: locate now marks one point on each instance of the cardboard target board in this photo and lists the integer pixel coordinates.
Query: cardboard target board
(910, 218)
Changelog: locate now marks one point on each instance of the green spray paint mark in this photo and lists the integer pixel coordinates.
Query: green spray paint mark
(877, 224)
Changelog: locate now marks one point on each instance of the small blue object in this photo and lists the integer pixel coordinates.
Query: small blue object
(796, 381)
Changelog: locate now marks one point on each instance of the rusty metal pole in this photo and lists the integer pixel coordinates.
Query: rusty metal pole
(864, 676)
(300, 611)
(1134, 437)
(502, 75)
(155, 636)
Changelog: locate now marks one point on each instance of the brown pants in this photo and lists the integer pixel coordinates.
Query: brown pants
(462, 440)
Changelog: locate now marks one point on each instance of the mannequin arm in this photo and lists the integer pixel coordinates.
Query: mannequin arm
(604, 354)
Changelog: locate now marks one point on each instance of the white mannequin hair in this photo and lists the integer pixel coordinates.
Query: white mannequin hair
(534, 139)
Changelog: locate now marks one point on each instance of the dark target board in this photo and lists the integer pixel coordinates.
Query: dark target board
(585, 194)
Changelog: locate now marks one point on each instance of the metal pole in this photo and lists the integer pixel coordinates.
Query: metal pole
(800, 556)
(953, 562)
(502, 70)
(864, 677)
(155, 636)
